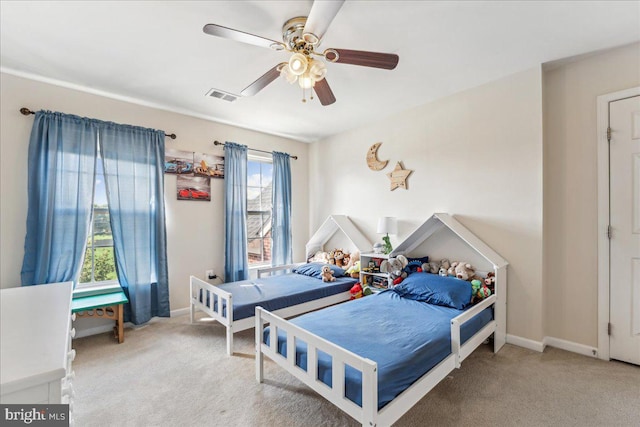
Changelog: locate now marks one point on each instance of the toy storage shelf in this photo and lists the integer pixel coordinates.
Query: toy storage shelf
(366, 276)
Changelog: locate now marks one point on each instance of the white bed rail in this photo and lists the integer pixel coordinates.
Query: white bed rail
(214, 301)
(366, 414)
(270, 270)
(483, 334)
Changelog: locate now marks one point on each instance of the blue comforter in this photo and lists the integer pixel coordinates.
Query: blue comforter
(405, 338)
(276, 292)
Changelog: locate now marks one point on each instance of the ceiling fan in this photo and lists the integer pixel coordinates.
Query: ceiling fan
(301, 36)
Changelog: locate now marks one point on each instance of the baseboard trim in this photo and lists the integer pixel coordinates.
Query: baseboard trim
(571, 346)
(81, 333)
(180, 312)
(526, 343)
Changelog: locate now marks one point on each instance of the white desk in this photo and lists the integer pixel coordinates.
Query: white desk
(35, 344)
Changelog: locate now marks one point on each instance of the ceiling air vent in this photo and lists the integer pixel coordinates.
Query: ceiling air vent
(220, 94)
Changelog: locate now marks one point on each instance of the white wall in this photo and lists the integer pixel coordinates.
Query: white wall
(195, 229)
(476, 154)
(570, 186)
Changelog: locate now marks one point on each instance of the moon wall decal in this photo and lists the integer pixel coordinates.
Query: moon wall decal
(372, 158)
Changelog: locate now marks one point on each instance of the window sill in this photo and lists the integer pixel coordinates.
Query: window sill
(92, 290)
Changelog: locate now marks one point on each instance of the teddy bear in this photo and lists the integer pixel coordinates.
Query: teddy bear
(395, 268)
(463, 270)
(327, 274)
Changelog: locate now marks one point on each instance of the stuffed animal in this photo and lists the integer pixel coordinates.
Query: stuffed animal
(490, 281)
(431, 267)
(463, 270)
(414, 266)
(443, 272)
(395, 268)
(479, 291)
(353, 258)
(327, 274)
(320, 256)
(338, 257)
(356, 291)
(354, 270)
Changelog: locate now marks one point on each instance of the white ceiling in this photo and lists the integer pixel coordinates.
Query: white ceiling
(155, 52)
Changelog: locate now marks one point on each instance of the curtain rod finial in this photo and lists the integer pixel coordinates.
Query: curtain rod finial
(25, 111)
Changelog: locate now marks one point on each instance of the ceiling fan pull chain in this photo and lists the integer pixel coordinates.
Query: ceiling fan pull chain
(303, 98)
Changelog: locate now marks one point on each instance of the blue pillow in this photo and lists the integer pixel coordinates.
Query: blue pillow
(314, 269)
(438, 290)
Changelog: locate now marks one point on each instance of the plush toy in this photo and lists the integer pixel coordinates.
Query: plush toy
(320, 256)
(395, 268)
(431, 267)
(327, 274)
(366, 290)
(356, 291)
(479, 291)
(443, 272)
(463, 270)
(414, 266)
(353, 258)
(490, 281)
(338, 257)
(354, 270)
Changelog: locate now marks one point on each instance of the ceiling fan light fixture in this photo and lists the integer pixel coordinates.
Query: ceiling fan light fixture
(317, 70)
(306, 81)
(298, 64)
(286, 73)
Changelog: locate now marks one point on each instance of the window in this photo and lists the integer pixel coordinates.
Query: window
(259, 190)
(98, 267)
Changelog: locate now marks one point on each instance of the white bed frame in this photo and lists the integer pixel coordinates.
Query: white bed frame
(368, 414)
(212, 294)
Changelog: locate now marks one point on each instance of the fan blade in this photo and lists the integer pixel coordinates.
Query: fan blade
(388, 61)
(320, 17)
(325, 95)
(241, 36)
(262, 81)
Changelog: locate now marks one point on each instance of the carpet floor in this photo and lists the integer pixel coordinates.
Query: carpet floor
(171, 373)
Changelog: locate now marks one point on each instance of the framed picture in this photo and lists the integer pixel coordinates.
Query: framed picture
(178, 161)
(208, 165)
(193, 188)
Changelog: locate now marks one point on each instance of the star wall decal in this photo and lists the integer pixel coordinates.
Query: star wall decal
(398, 177)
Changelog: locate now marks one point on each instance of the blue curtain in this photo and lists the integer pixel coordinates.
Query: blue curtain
(61, 170)
(133, 168)
(236, 264)
(281, 250)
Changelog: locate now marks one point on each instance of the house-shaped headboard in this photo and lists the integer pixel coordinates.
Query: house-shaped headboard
(332, 225)
(432, 228)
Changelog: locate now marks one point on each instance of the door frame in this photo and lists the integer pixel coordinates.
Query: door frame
(603, 215)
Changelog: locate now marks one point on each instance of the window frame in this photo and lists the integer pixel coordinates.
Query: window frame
(269, 213)
(91, 237)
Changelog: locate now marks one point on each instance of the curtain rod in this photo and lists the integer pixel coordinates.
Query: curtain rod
(255, 149)
(25, 111)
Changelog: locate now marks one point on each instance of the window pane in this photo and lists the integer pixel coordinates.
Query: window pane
(99, 263)
(85, 273)
(104, 267)
(259, 193)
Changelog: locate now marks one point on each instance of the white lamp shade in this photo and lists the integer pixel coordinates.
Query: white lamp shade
(298, 64)
(388, 225)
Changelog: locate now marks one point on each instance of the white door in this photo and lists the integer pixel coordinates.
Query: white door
(624, 151)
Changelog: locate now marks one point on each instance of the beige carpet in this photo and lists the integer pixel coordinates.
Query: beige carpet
(171, 373)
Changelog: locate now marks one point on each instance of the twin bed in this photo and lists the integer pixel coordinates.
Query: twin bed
(375, 357)
(299, 290)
